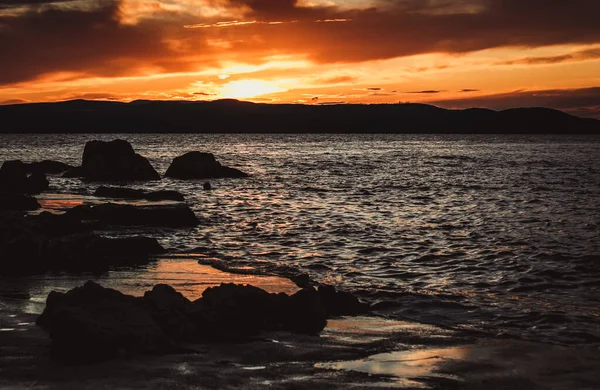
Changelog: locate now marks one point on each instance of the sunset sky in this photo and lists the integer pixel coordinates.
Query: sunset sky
(452, 53)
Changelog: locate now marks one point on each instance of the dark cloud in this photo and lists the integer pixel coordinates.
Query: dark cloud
(336, 80)
(426, 92)
(13, 101)
(27, 3)
(583, 102)
(467, 90)
(374, 89)
(92, 42)
(582, 55)
(93, 39)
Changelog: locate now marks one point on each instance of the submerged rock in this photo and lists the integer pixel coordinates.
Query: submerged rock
(127, 215)
(114, 161)
(48, 167)
(341, 303)
(198, 165)
(130, 193)
(93, 252)
(93, 323)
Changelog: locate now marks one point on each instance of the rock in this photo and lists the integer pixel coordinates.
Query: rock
(18, 202)
(75, 172)
(170, 310)
(91, 323)
(305, 312)
(197, 165)
(206, 186)
(22, 246)
(130, 193)
(48, 167)
(233, 312)
(96, 253)
(37, 183)
(14, 178)
(340, 303)
(46, 242)
(113, 162)
(127, 215)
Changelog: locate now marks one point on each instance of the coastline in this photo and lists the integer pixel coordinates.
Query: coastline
(352, 352)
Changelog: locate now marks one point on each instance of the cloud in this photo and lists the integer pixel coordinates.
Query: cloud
(467, 90)
(426, 92)
(583, 102)
(582, 55)
(336, 80)
(13, 101)
(102, 38)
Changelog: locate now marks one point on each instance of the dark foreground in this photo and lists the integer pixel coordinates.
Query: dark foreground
(348, 354)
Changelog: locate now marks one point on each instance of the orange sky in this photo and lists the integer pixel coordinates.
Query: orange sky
(453, 53)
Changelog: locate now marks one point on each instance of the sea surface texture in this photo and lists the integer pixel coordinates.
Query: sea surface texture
(499, 234)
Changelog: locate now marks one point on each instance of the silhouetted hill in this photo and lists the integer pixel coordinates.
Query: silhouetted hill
(232, 116)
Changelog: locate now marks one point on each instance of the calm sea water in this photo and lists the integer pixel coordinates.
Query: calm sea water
(494, 233)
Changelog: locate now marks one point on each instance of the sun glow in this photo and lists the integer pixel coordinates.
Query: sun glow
(242, 89)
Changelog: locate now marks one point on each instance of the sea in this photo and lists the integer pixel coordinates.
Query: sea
(496, 234)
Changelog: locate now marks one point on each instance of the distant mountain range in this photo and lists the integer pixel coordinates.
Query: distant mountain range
(232, 116)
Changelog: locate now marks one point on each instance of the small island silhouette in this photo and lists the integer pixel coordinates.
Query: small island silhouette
(233, 116)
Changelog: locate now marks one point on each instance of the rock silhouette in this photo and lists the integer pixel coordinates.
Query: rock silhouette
(113, 161)
(110, 214)
(41, 243)
(198, 165)
(130, 193)
(17, 202)
(15, 178)
(48, 167)
(93, 323)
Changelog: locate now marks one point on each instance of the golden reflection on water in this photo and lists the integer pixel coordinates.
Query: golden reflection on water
(405, 365)
(191, 278)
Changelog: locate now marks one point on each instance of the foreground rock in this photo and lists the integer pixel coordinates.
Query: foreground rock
(48, 242)
(92, 323)
(197, 165)
(114, 161)
(130, 193)
(17, 202)
(15, 179)
(111, 214)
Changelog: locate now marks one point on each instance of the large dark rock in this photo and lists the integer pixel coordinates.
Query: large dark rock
(114, 161)
(47, 242)
(130, 193)
(92, 323)
(127, 215)
(198, 165)
(48, 167)
(14, 178)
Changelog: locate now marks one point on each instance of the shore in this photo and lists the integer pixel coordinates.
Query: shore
(352, 352)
